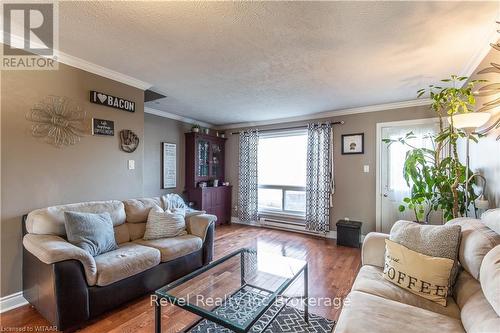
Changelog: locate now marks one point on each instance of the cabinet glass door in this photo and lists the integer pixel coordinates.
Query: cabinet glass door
(216, 160)
(203, 148)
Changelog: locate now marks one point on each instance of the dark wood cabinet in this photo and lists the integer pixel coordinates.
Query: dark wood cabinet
(205, 164)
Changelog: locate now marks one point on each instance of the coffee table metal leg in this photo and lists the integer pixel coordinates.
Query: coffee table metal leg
(158, 318)
(306, 295)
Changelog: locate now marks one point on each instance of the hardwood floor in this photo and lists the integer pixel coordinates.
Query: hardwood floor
(332, 270)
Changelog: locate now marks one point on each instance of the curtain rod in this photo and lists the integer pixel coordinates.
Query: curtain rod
(289, 128)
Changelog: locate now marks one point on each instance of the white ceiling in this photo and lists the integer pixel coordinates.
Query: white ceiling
(230, 62)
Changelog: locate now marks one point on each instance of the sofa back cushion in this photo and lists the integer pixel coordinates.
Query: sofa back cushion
(491, 219)
(136, 230)
(122, 234)
(137, 210)
(50, 220)
(490, 278)
(477, 241)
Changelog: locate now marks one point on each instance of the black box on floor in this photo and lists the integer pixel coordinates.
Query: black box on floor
(348, 233)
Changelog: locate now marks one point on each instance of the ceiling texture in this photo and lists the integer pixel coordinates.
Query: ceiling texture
(231, 62)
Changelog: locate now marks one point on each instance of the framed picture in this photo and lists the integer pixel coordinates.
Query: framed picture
(169, 165)
(353, 143)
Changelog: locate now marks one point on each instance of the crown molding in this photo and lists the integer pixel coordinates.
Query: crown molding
(90, 67)
(333, 113)
(173, 116)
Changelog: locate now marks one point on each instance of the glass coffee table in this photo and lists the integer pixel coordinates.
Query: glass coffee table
(236, 290)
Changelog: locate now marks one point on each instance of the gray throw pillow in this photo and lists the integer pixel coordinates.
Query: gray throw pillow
(92, 232)
(441, 241)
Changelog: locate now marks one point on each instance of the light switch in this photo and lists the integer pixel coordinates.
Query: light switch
(131, 164)
(366, 168)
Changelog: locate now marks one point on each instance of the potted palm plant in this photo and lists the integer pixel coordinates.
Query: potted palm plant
(435, 176)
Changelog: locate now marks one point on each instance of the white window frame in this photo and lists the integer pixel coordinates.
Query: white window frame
(298, 215)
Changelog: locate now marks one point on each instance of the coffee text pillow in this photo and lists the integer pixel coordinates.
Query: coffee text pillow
(442, 241)
(418, 273)
(163, 224)
(92, 232)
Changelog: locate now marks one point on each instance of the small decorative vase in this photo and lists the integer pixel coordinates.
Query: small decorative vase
(206, 130)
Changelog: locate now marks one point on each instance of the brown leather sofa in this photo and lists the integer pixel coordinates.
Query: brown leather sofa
(69, 287)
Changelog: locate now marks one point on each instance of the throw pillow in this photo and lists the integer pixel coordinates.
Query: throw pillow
(92, 232)
(188, 212)
(442, 241)
(423, 275)
(163, 224)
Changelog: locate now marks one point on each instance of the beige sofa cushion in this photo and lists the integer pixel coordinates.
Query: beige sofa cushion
(137, 210)
(477, 240)
(50, 220)
(129, 259)
(136, 230)
(370, 280)
(173, 248)
(478, 315)
(364, 312)
(491, 218)
(122, 234)
(465, 287)
(50, 249)
(490, 278)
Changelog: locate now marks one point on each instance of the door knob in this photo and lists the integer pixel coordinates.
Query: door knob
(386, 195)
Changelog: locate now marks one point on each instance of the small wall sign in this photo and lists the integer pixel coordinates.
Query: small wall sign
(103, 127)
(111, 101)
(169, 164)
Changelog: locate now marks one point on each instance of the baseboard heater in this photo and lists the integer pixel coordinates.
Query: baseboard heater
(285, 225)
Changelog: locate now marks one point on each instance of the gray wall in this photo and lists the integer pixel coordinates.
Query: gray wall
(355, 190)
(156, 130)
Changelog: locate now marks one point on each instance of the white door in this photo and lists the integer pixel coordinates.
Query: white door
(392, 185)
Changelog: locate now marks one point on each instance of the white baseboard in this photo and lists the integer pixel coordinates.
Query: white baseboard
(12, 301)
(331, 234)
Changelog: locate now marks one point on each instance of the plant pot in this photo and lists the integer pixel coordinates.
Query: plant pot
(195, 130)
(206, 131)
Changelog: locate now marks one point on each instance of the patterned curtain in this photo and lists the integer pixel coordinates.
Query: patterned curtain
(247, 193)
(319, 182)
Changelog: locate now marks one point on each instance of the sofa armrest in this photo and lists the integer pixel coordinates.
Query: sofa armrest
(198, 225)
(51, 249)
(373, 250)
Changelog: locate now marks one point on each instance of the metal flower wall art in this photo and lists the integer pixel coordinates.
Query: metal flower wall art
(58, 120)
(490, 93)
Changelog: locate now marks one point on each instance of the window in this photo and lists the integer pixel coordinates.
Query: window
(282, 172)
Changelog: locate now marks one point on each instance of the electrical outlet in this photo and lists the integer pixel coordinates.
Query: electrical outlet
(366, 168)
(131, 164)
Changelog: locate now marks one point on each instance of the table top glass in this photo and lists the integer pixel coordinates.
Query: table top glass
(235, 290)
